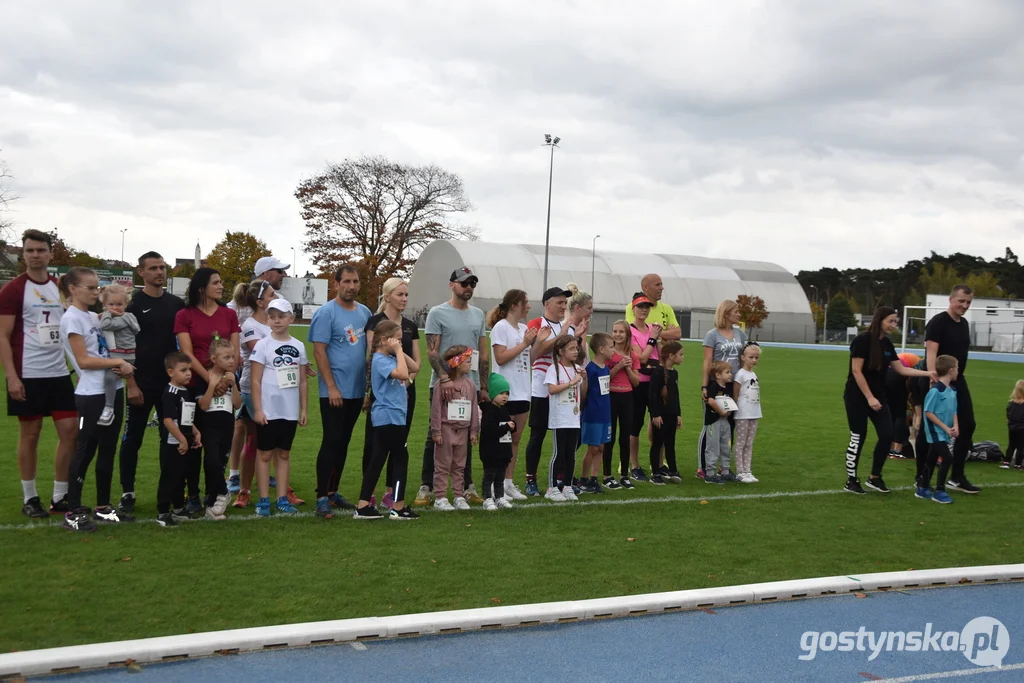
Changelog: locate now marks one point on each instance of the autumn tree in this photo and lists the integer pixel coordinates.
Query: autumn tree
(752, 311)
(186, 269)
(379, 215)
(65, 254)
(235, 256)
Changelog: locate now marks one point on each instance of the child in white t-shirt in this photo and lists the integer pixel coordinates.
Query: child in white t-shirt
(566, 384)
(279, 397)
(747, 393)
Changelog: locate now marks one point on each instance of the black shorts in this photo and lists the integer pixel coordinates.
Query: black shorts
(276, 434)
(44, 396)
(539, 408)
(517, 407)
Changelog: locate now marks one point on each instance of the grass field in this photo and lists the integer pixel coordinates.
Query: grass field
(140, 580)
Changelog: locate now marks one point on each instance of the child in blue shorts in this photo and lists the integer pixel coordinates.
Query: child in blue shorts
(597, 411)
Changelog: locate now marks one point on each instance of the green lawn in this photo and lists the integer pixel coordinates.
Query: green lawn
(141, 580)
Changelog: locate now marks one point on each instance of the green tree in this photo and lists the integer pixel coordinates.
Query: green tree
(840, 313)
(187, 269)
(939, 279)
(985, 284)
(234, 258)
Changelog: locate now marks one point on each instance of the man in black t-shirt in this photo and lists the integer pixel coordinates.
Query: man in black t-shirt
(948, 333)
(155, 309)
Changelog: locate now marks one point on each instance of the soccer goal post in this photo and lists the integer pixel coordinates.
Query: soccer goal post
(926, 312)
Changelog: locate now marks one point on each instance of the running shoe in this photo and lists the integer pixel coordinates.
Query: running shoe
(127, 504)
(106, 417)
(657, 479)
(639, 474)
(568, 494)
(180, 514)
(60, 506)
(962, 485)
(338, 502)
(323, 508)
(612, 483)
(700, 473)
(166, 519)
(243, 499)
(263, 507)
(234, 483)
(111, 515)
(751, 479)
(422, 497)
(389, 500)
(472, 496)
(853, 486)
(293, 499)
(34, 508)
(373, 500)
(284, 507)
(443, 504)
(876, 484)
(213, 515)
(461, 503)
(368, 512)
(672, 476)
(504, 504)
(555, 496)
(194, 507)
(923, 493)
(78, 520)
(490, 505)
(403, 515)
(626, 483)
(512, 491)
(531, 488)
(1004, 465)
(942, 497)
(713, 479)
(220, 505)
(729, 477)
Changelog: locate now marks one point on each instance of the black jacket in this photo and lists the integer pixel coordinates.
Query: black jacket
(1015, 415)
(492, 429)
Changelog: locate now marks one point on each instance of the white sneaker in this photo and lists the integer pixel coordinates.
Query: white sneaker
(568, 494)
(106, 417)
(220, 505)
(443, 504)
(751, 479)
(504, 504)
(554, 495)
(214, 515)
(489, 504)
(461, 504)
(512, 492)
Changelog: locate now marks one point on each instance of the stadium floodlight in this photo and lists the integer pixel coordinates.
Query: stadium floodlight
(557, 140)
(547, 137)
(552, 143)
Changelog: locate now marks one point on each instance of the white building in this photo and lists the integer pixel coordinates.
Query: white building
(995, 323)
(694, 285)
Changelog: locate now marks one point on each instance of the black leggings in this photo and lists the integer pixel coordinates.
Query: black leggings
(665, 435)
(135, 421)
(172, 471)
(539, 408)
(427, 472)
(938, 452)
(622, 425)
(563, 457)
(494, 476)
(389, 477)
(388, 447)
(857, 415)
(338, 425)
(896, 399)
(216, 451)
(641, 397)
(1015, 449)
(94, 441)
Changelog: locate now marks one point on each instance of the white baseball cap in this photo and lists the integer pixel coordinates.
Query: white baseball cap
(269, 263)
(280, 305)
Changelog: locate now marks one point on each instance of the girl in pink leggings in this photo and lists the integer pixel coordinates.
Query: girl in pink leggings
(747, 393)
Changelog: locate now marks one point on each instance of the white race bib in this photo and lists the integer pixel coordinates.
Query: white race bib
(568, 397)
(474, 363)
(49, 334)
(754, 394)
(287, 376)
(507, 438)
(188, 414)
(458, 410)
(606, 384)
(221, 403)
(726, 404)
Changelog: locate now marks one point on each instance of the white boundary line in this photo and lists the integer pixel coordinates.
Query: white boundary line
(152, 650)
(953, 674)
(589, 500)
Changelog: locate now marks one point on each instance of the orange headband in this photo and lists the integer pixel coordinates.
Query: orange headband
(456, 361)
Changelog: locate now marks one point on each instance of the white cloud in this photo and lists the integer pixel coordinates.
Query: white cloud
(857, 135)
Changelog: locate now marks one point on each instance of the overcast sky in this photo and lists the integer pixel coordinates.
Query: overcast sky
(795, 131)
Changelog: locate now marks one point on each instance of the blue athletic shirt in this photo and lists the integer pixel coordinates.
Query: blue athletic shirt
(941, 400)
(344, 333)
(389, 394)
(598, 408)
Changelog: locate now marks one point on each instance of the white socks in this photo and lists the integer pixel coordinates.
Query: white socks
(234, 473)
(60, 489)
(28, 490)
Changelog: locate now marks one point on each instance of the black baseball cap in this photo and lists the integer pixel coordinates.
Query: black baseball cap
(463, 275)
(553, 292)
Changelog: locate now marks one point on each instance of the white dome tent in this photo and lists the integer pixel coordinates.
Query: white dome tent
(694, 285)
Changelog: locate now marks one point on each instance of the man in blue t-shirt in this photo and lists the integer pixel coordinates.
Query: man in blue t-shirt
(942, 428)
(339, 346)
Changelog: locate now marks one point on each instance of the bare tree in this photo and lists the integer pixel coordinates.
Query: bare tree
(380, 214)
(7, 197)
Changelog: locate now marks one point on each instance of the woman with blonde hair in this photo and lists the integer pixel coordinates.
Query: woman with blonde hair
(724, 342)
(578, 310)
(394, 297)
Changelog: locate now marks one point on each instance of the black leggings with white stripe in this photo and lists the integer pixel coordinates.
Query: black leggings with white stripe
(857, 415)
(563, 455)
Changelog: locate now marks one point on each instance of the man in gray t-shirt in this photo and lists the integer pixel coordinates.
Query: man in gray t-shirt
(453, 323)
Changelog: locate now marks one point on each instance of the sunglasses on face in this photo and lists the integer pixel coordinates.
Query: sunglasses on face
(471, 284)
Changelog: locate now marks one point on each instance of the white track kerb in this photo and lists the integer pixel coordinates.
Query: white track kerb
(153, 650)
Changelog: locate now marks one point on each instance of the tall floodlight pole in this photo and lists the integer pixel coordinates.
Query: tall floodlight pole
(551, 142)
(123, 231)
(593, 261)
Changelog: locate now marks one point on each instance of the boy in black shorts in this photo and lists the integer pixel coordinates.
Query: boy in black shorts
(179, 412)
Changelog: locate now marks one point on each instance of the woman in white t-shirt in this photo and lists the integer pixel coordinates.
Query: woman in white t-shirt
(747, 393)
(87, 349)
(511, 341)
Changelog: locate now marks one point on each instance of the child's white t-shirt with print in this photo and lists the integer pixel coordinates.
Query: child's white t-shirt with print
(749, 401)
(563, 408)
(282, 363)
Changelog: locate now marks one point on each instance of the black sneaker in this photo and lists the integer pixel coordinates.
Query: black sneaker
(110, 515)
(368, 512)
(127, 504)
(612, 483)
(962, 485)
(657, 479)
(78, 520)
(729, 477)
(183, 515)
(626, 483)
(338, 502)
(61, 506)
(664, 472)
(402, 515)
(639, 474)
(853, 486)
(674, 477)
(194, 507)
(593, 486)
(166, 519)
(876, 484)
(34, 509)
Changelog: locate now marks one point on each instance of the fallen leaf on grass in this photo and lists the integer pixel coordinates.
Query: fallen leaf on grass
(861, 595)
(630, 539)
(408, 590)
(704, 502)
(468, 525)
(434, 561)
(126, 559)
(496, 601)
(922, 523)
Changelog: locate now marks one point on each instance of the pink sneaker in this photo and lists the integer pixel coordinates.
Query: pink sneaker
(389, 500)
(373, 500)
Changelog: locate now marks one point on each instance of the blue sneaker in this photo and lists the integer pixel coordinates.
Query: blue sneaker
(531, 487)
(713, 479)
(323, 508)
(234, 483)
(273, 482)
(923, 493)
(942, 497)
(284, 507)
(263, 507)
